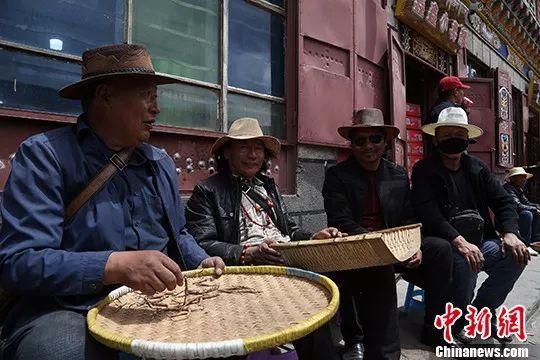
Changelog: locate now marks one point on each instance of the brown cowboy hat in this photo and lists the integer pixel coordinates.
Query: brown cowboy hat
(369, 118)
(245, 129)
(114, 61)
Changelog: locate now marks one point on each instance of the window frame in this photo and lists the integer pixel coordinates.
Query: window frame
(224, 87)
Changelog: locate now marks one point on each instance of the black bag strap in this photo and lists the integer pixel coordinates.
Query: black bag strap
(116, 163)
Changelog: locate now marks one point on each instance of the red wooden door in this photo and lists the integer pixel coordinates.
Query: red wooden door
(398, 102)
(341, 47)
(482, 114)
(524, 126)
(370, 45)
(325, 85)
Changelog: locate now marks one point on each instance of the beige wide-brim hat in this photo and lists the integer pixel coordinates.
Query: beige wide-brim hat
(246, 129)
(518, 170)
(453, 116)
(367, 119)
(114, 62)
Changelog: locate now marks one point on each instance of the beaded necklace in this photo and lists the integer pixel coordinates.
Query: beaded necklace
(258, 210)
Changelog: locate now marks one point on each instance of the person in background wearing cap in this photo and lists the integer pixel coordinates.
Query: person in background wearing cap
(452, 193)
(529, 213)
(131, 232)
(369, 193)
(450, 95)
(238, 213)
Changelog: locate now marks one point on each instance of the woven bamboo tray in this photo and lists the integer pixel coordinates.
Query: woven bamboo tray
(353, 252)
(248, 308)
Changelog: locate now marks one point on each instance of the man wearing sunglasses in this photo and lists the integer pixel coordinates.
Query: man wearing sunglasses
(369, 193)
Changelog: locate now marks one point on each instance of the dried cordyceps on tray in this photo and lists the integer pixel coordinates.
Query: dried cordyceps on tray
(181, 301)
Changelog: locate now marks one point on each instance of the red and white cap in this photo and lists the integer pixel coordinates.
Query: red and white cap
(448, 83)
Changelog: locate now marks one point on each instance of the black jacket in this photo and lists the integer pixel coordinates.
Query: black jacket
(520, 200)
(345, 187)
(213, 211)
(430, 197)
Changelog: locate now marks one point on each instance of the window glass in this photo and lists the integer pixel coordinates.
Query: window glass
(188, 106)
(32, 82)
(270, 114)
(182, 36)
(256, 52)
(66, 26)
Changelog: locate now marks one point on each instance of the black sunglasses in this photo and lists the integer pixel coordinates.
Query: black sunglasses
(374, 139)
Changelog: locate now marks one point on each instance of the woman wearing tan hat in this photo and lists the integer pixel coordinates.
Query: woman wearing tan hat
(238, 213)
(529, 213)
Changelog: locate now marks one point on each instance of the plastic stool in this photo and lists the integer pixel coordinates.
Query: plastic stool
(411, 301)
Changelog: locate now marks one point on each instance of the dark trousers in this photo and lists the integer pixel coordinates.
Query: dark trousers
(374, 291)
(317, 346)
(38, 329)
(434, 275)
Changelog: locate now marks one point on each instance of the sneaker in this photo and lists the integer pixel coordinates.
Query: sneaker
(532, 251)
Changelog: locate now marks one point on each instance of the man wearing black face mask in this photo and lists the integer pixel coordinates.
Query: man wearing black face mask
(452, 193)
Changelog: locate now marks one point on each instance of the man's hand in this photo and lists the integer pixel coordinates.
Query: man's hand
(264, 254)
(471, 252)
(516, 248)
(415, 261)
(328, 233)
(148, 271)
(213, 262)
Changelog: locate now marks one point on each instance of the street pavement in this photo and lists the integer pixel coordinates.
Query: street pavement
(534, 340)
(526, 292)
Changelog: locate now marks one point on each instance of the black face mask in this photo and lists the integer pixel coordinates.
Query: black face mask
(453, 145)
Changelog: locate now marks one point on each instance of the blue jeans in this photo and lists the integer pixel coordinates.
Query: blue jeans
(44, 331)
(502, 272)
(529, 226)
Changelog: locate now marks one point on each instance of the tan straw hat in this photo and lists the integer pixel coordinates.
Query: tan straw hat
(114, 61)
(515, 171)
(453, 116)
(369, 118)
(245, 129)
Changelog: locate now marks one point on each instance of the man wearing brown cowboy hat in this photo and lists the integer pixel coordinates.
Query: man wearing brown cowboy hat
(90, 207)
(238, 213)
(453, 193)
(369, 193)
(529, 213)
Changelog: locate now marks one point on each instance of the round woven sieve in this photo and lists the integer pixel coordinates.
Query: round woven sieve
(246, 309)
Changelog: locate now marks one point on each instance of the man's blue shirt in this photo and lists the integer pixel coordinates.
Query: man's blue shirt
(139, 208)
